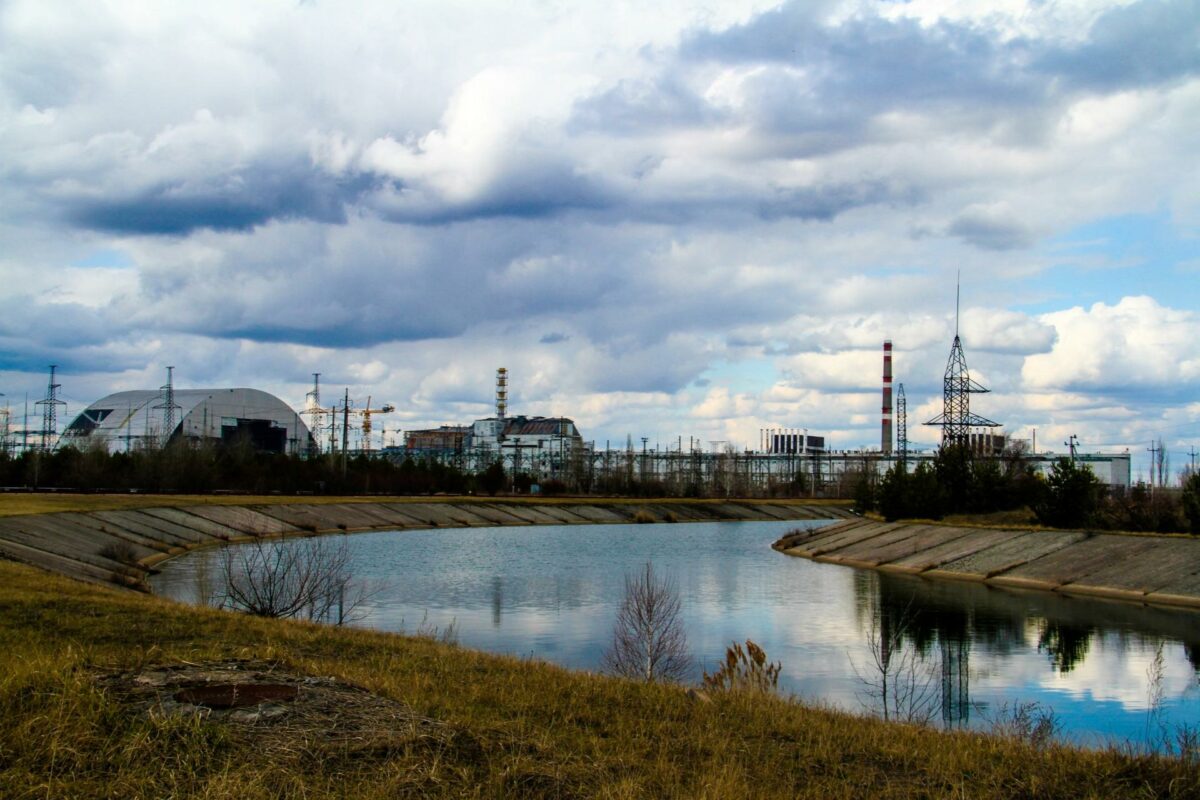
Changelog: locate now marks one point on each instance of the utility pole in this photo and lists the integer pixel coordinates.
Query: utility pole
(1153, 449)
(345, 429)
(1073, 443)
(1192, 455)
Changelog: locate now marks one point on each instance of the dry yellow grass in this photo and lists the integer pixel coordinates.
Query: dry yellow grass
(507, 727)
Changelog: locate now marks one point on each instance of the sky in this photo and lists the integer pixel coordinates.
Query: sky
(665, 220)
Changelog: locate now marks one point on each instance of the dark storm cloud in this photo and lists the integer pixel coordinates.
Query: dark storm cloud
(236, 200)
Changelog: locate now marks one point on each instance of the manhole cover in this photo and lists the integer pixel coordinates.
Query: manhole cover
(236, 695)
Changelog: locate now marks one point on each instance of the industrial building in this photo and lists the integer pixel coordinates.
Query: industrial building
(126, 421)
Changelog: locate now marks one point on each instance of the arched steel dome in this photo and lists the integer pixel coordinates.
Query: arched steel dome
(128, 420)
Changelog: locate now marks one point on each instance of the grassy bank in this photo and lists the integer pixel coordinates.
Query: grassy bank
(15, 503)
(494, 727)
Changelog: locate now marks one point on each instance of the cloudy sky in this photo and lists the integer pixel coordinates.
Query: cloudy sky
(665, 220)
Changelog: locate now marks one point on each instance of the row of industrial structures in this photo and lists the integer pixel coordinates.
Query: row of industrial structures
(545, 448)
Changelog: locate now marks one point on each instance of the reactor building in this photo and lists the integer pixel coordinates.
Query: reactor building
(127, 421)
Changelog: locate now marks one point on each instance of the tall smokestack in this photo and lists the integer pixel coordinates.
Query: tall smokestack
(886, 444)
(501, 392)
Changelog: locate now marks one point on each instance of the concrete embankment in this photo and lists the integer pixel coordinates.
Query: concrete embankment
(1147, 569)
(119, 547)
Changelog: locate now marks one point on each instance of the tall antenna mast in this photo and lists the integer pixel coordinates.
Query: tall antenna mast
(50, 412)
(957, 297)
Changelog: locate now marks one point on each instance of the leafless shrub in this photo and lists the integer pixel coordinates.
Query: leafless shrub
(648, 641)
(307, 578)
(643, 517)
(1031, 722)
(121, 552)
(744, 670)
(898, 681)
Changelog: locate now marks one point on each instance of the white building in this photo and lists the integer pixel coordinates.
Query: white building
(543, 447)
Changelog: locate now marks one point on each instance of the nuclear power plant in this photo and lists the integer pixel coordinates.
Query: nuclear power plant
(786, 459)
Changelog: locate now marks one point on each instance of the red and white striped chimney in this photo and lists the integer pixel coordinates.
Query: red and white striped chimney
(886, 444)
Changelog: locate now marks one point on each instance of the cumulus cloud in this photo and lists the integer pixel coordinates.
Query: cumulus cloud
(1132, 346)
(671, 220)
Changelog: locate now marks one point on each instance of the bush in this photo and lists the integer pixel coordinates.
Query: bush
(1072, 498)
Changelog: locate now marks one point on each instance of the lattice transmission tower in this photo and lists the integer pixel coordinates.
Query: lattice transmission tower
(50, 412)
(956, 419)
(901, 426)
(168, 406)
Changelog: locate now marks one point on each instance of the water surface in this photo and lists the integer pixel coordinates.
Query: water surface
(1110, 671)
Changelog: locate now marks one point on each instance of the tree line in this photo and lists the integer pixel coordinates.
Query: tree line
(1070, 496)
(192, 468)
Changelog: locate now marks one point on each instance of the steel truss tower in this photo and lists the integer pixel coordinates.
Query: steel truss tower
(901, 426)
(168, 406)
(50, 412)
(956, 419)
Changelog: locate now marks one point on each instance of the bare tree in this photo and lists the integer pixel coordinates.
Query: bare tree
(897, 679)
(307, 578)
(648, 641)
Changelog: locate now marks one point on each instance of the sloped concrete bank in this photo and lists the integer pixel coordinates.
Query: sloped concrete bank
(120, 547)
(1163, 570)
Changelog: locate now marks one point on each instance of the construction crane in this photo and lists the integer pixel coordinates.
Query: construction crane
(386, 408)
(339, 417)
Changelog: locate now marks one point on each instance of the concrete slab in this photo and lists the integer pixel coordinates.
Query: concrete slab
(188, 520)
(389, 515)
(901, 542)
(465, 512)
(561, 515)
(734, 511)
(55, 536)
(43, 534)
(1165, 562)
(1184, 590)
(1014, 552)
(850, 536)
(57, 563)
(153, 526)
(298, 515)
(356, 516)
(497, 515)
(1070, 564)
(415, 513)
(802, 541)
(604, 516)
(243, 520)
(959, 543)
(529, 514)
(152, 544)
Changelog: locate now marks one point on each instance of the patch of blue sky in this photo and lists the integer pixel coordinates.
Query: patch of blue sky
(105, 257)
(1106, 260)
(751, 375)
